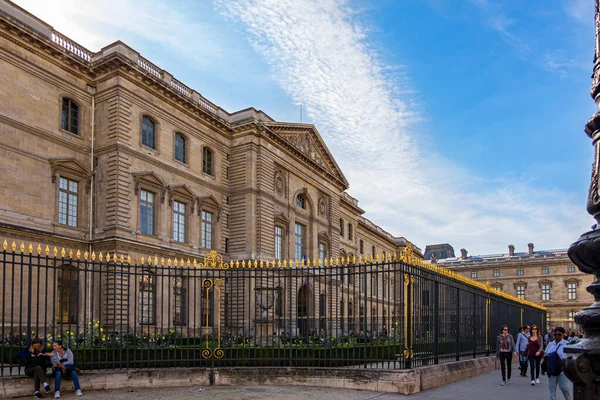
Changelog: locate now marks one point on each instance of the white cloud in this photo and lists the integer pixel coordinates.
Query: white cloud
(95, 24)
(321, 57)
(582, 10)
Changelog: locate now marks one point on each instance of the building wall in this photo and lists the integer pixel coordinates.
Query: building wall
(560, 272)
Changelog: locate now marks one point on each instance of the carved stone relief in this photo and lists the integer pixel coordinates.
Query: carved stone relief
(303, 143)
(280, 185)
(322, 207)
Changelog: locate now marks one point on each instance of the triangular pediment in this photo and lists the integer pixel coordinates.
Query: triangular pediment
(307, 140)
(208, 200)
(70, 165)
(149, 177)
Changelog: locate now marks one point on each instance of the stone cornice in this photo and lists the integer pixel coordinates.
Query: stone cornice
(511, 262)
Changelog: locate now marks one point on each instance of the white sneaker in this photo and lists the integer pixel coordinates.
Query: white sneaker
(508, 382)
(503, 383)
(532, 383)
(78, 393)
(57, 394)
(537, 380)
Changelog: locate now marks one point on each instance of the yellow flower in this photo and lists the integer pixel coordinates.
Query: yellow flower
(101, 329)
(96, 325)
(72, 333)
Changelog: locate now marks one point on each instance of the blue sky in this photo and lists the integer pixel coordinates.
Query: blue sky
(455, 121)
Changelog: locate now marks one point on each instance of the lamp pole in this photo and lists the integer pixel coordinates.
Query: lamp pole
(582, 360)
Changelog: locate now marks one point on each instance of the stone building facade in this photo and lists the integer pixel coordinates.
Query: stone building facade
(546, 277)
(107, 152)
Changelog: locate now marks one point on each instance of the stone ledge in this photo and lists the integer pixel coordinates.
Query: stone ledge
(377, 380)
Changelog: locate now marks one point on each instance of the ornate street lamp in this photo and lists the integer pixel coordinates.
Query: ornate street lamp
(582, 361)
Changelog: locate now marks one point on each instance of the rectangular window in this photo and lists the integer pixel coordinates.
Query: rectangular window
(496, 273)
(147, 288)
(322, 251)
(520, 271)
(67, 202)
(226, 245)
(178, 222)
(545, 292)
(473, 274)
(571, 268)
(521, 291)
(147, 212)
(572, 291)
(207, 230)
(545, 270)
(278, 242)
(299, 241)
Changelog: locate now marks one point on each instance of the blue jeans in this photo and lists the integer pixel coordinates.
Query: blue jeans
(58, 378)
(523, 362)
(563, 384)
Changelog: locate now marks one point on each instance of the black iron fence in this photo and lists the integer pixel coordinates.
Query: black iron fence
(116, 312)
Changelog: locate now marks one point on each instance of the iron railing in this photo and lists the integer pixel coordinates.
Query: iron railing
(116, 312)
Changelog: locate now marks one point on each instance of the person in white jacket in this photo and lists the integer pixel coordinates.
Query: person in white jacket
(63, 364)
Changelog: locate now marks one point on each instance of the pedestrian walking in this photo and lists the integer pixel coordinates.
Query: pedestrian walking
(505, 347)
(521, 345)
(535, 352)
(554, 353)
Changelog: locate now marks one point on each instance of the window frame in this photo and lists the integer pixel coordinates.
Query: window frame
(520, 291)
(208, 166)
(571, 269)
(301, 201)
(151, 320)
(350, 232)
(342, 227)
(72, 315)
(496, 273)
(68, 194)
(520, 271)
(179, 140)
(154, 132)
(184, 215)
(203, 240)
(281, 241)
(545, 290)
(301, 242)
(69, 126)
(473, 274)
(571, 290)
(154, 213)
(545, 270)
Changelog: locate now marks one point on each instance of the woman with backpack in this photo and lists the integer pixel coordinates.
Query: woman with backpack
(535, 352)
(505, 347)
(554, 353)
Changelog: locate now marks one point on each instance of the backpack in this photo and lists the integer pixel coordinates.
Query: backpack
(553, 364)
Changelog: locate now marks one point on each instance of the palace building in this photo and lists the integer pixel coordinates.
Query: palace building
(108, 150)
(546, 277)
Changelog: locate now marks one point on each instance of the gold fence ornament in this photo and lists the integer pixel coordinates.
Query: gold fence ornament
(121, 259)
(129, 259)
(13, 246)
(175, 262)
(162, 261)
(22, 247)
(115, 257)
(4, 245)
(155, 261)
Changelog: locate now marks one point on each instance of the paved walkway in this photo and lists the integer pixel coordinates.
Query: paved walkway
(483, 387)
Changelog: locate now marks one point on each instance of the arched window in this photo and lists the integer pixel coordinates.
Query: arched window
(301, 202)
(350, 233)
(148, 132)
(207, 161)
(69, 120)
(147, 297)
(179, 147)
(341, 227)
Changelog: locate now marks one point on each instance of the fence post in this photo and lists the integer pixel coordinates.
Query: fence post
(436, 322)
(474, 319)
(457, 324)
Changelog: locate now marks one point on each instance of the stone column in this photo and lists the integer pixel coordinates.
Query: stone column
(582, 361)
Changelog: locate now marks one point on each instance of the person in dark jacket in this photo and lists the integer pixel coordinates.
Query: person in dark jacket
(36, 365)
(505, 347)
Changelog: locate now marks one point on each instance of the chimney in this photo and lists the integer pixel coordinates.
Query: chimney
(511, 250)
(463, 254)
(530, 245)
